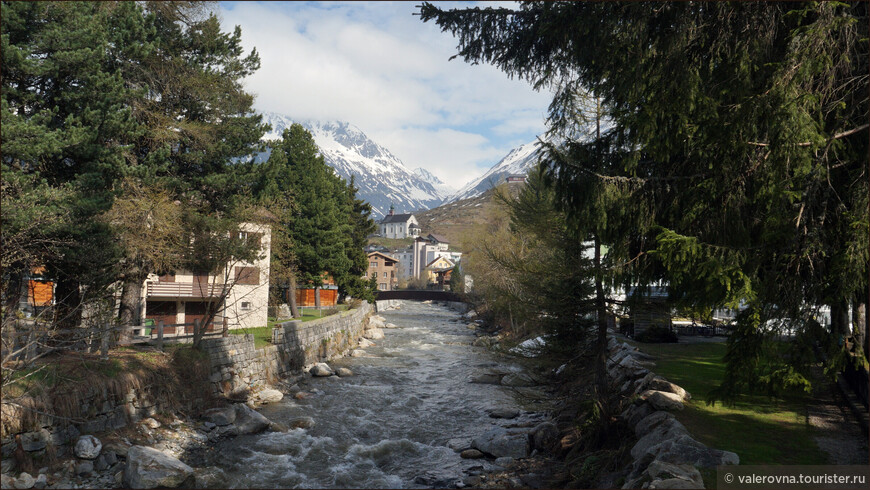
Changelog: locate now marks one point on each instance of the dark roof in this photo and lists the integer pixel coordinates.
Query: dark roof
(383, 256)
(396, 218)
(439, 238)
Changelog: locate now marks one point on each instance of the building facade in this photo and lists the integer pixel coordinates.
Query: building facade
(385, 269)
(399, 225)
(240, 291)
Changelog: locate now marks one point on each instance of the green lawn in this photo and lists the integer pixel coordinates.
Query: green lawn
(263, 335)
(759, 429)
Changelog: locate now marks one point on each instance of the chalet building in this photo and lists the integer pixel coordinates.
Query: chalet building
(439, 271)
(385, 269)
(184, 296)
(425, 250)
(399, 225)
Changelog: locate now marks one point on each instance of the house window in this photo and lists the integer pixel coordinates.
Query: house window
(247, 275)
(246, 305)
(382, 286)
(373, 264)
(385, 273)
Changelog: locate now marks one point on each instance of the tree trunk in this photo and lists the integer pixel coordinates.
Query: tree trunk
(859, 325)
(840, 321)
(294, 310)
(130, 310)
(11, 296)
(317, 297)
(601, 345)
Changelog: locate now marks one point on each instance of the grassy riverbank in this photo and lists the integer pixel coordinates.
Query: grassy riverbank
(760, 429)
(263, 335)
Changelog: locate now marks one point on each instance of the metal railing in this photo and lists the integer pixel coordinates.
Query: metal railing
(183, 289)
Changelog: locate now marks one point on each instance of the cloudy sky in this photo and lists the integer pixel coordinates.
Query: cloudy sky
(377, 66)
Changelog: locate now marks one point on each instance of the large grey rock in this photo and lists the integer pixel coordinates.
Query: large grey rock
(471, 454)
(6, 481)
(302, 423)
(249, 421)
(24, 481)
(88, 447)
(84, 467)
(221, 416)
(500, 442)
(41, 482)
(545, 436)
(269, 395)
(284, 311)
(504, 413)
(364, 342)
(149, 468)
(390, 325)
(486, 378)
(321, 369)
(669, 475)
(374, 334)
(661, 384)
(650, 422)
(669, 428)
(662, 400)
(685, 450)
(357, 353)
(344, 372)
(35, 441)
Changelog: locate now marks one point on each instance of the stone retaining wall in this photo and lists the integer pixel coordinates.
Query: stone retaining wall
(237, 369)
(665, 454)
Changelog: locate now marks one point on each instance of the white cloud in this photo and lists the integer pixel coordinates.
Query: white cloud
(379, 67)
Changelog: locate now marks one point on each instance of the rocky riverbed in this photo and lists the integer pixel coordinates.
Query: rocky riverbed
(421, 404)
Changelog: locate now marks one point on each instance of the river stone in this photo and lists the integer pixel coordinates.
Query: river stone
(249, 421)
(321, 369)
(374, 334)
(364, 342)
(24, 481)
(343, 372)
(504, 413)
(661, 384)
(390, 325)
(35, 441)
(6, 481)
(668, 428)
(499, 442)
(357, 353)
(84, 468)
(517, 380)
(545, 436)
(669, 475)
(150, 468)
(110, 457)
(302, 423)
(685, 450)
(88, 447)
(459, 444)
(221, 416)
(100, 463)
(151, 423)
(504, 461)
(41, 482)
(270, 395)
(471, 454)
(662, 400)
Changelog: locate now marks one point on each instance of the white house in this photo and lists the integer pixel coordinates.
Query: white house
(184, 296)
(399, 225)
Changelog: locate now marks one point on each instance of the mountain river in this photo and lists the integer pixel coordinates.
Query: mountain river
(391, 424)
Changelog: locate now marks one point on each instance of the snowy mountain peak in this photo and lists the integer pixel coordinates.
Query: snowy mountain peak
(518, 161)
(381, 177)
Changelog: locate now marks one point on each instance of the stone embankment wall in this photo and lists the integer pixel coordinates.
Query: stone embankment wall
(238, 368)
(665, 454)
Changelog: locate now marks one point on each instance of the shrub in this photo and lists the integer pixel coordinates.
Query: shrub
(657, 334)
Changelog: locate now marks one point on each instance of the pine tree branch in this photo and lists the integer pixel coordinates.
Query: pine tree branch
(832, 138)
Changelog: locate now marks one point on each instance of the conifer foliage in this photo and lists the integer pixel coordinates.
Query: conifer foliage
(736, 149)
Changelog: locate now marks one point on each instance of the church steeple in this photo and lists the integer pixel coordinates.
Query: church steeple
(392, 209)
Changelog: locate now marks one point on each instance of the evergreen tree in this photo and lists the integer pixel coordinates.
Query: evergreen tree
(738, 157)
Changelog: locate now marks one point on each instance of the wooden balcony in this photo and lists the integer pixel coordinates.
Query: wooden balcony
(183, 290)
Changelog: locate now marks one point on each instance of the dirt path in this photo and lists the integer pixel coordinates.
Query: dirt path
(840, 436)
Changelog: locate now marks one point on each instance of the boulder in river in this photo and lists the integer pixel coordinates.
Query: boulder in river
(517, 380)
(269, 395)
(364, 342)
(357, 353)
(302, 423)
(471, 454)
(374, 334)
(221, 416)
(321, 369)
(500, 442)
(88, 447)
(504, 413)
(149, 468)
(486, 378)
(343, 372)
(249, 421)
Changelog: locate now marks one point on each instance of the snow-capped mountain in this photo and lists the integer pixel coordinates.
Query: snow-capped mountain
(518, 161)
(441, 187)
(381, 177)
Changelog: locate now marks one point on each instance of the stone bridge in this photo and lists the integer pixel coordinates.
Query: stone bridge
(420, 295)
